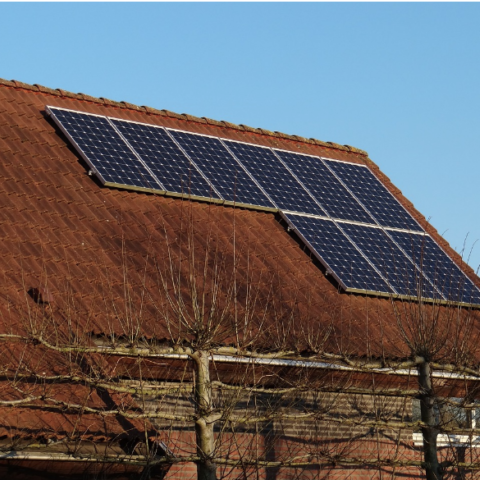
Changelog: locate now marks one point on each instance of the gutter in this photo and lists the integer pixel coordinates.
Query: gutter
(333, 366)
(139, 460)
(279, 362)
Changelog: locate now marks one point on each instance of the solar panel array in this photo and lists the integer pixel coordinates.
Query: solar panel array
(351, 223)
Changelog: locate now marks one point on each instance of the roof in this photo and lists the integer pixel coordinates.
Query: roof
(61, 229)
(86, 263)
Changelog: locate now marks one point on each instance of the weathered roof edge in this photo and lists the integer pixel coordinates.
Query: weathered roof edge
(166, 113)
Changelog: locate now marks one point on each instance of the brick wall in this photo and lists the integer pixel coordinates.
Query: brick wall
(340, 431)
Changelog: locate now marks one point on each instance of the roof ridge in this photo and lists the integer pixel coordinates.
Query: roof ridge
(184, 116)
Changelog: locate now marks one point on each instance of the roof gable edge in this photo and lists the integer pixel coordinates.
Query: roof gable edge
(166, 113)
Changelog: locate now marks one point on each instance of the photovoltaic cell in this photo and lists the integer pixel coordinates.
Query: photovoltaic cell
(441, 270)
(323, 185)
(163, 156)
(221, 169)
(389, 260)
(275, 178)
(104, 149)
(338, 253)
(375, 197)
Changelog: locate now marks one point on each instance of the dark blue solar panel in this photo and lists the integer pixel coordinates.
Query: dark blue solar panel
(104, 149)
(441, 269)
(339, 254)
(389, 260)
(163, 156)
(205, 159)
(374, 196)
(221, 169)
(323, 185)
(275, 178)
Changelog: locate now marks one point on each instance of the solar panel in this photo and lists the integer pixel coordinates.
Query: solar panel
(338, 254)
(442, 271)
(322, 184)
(282, 187)
(346, 216)
(103, 149)
(221, 169)
(389, 260)
(165, 159)
(382, 205)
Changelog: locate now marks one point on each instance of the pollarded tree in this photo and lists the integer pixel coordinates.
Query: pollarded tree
(207, 353)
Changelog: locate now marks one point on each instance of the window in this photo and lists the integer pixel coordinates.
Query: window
(449, 413)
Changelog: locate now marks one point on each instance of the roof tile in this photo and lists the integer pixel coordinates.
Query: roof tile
(215, 122)
(89, 98)
(25, 86)
(356, 150)
(6, 83)
(319, 142)
(248, 129)
(337, 146)
(112, 103)
(131, 106)
(232, 125)
(192, 118)
(50, 91)
(267, 132)
(174, 115)
(66, 93)
(154, 111)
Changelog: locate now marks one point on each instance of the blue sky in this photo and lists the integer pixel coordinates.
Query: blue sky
(401, 81)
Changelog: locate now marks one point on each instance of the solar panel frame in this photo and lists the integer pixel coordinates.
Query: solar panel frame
(267, 205)
(412, 223)
(88, 155)
(438, 294)
(390, 260)
(277, 176)
(439, 276)
(328, 191)
(356, 256)
(160, 183)
(148, 160)
(254, 180)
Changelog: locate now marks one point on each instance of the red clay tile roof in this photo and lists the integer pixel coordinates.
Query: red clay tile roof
(90, 245)
(100, 257)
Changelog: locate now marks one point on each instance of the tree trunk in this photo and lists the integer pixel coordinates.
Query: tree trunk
(206, 468)
(430, 430)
